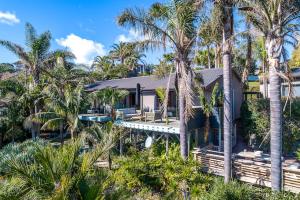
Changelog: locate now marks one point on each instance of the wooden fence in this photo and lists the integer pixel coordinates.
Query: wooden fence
(247, 170)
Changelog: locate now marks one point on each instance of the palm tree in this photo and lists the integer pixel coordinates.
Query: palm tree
(35, 58)
(127, 54)
(109, 96)
(226, 10)
(278, 21)
(174, 24)
(64, 104)
(105, 68)
(207, 106)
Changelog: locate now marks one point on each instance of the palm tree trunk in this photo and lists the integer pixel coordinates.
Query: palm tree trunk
(207, 127)
(227, 79)
(182, 124)
(216, 56)
(208, 57)
(61, 132)
(1, 139)
(265, 80)
(182, 117)
(276, 125)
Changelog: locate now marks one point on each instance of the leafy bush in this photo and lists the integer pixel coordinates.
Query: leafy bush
(22, 152)
(255, 116)
(240, 191)
(150, 173)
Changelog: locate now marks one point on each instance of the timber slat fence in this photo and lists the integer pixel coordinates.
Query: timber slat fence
(247, 170)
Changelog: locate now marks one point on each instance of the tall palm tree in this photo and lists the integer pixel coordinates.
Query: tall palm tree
(226, 10)
(34, 58)
(64, 106)
(207, 105)
(127, 54)
(174, 24)
(105, 68)
(278, 21)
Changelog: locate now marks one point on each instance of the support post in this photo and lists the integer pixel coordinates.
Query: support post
(167, 144)
(189, 142)
(121, 146)
(220, 131)
(197, 138)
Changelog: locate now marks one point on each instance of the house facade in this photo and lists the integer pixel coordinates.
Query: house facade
(295, 74)
(148, 99)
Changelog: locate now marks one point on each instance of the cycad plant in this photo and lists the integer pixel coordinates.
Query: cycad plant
(173, 24)
(207, 105)
(56, 173)
(96, 133)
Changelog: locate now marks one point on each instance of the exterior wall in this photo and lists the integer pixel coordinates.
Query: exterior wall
(284, 90)
(148, 99)
(238, 97)
(237, 91)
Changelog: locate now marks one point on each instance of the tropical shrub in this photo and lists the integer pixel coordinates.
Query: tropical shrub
(255, 116)
(154, 174)
(56, 173)
(240, 191)
(20, 152)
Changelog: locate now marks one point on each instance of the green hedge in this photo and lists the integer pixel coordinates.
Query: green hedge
(255, 116)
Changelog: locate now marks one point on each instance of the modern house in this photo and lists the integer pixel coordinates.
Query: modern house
(142, 102)
(295, 74)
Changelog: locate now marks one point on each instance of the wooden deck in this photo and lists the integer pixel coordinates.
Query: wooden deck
(252, 171)
(158, 126)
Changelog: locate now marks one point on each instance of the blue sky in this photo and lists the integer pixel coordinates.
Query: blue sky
(87, 27)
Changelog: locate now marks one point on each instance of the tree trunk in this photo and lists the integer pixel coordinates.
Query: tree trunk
(227, 79)
(182, 125)
(265, 80)
(206, 132)
(182, 117)
(61, 132)
(109, 160)
(1, 139)
(276, 125)
(72, 134)
(208, 57)
(216, 56)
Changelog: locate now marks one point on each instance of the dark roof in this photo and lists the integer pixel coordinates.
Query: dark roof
(207, 77)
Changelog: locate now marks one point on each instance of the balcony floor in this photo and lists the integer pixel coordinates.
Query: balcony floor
(157, 126)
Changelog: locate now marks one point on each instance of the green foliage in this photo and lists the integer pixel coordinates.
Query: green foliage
(154, 173)
(295, 60)
(255, 116)
(6, 67)
(56, 173)
(22, 152)
(240, 191)
(161, 93)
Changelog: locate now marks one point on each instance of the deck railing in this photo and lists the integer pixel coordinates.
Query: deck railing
(247, 170)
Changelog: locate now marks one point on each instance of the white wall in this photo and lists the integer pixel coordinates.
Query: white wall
(149, 101)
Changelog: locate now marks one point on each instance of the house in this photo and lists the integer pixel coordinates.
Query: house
(295, 74)
(142, 96)
(148, 84)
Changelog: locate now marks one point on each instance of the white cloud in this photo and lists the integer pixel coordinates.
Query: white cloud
(130, 37)
(8, 18)
(85, 50)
